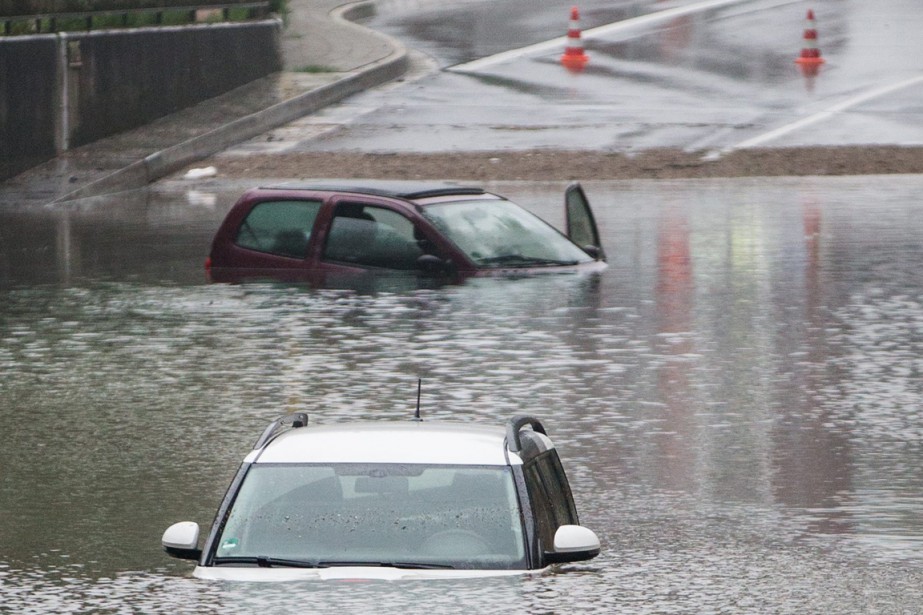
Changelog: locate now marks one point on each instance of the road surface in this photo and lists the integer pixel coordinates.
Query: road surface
(708, 76)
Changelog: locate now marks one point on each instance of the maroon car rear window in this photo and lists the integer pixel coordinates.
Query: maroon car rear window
(279, 227)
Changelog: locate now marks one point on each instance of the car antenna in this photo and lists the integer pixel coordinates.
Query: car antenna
(416, 415)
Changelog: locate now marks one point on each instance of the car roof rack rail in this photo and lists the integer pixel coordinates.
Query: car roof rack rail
(515, 425)
(450, 191)
(295, 420)
(404, 189)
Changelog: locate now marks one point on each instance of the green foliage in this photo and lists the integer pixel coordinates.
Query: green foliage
(65, 24)
(44, 7)
(22, 27)
(167, 17)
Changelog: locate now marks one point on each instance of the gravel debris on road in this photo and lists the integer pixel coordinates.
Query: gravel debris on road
(543, 164)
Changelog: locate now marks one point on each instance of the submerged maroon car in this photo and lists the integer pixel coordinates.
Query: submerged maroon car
(313, 232)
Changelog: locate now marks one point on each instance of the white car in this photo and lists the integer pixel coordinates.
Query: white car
(391, 500)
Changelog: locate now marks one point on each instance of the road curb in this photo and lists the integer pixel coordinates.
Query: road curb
(164, 162)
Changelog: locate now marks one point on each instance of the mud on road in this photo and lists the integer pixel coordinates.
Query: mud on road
(545, 164)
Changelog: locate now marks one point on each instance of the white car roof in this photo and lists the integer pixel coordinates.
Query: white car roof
(426, 442)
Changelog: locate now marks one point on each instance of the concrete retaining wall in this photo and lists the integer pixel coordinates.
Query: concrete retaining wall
(28, 103)
(126, 81)
(61, 91)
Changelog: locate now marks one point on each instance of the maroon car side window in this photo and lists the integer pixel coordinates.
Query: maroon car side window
(369, 236)
(279, 227)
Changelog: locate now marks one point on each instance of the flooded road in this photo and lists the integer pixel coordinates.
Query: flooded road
(736, 398)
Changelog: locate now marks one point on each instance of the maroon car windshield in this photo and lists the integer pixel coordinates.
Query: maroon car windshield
(496, 233)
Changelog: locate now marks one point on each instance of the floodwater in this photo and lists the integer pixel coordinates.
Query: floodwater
(737, 398)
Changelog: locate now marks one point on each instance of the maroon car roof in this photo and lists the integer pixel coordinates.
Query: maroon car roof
(410, 190)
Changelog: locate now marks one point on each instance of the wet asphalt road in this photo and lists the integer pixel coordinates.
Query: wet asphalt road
(712, 79)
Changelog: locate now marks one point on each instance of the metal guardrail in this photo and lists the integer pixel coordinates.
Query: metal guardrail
(50, 22)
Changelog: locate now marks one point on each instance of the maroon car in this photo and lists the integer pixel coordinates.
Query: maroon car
(316, 232)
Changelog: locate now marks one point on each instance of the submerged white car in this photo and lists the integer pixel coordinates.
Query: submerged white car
(391, 500)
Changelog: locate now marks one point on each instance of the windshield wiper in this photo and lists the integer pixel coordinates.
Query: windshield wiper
(269, 562)
(280, 562)
(519, 259)
(404, 565)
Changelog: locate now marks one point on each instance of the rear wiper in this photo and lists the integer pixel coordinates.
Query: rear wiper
(269, 562)
(404, 565)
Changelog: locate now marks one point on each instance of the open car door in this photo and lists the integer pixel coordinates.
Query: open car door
(581, 225)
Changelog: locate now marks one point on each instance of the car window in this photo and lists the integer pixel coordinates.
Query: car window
(581, 226)
(542, 510)
(455, 516)
(549, 491)
(371, 236)
(279, 227)
(565, 511)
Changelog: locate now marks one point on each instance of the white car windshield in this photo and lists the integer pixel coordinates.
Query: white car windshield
(409, 516)
(498, 233)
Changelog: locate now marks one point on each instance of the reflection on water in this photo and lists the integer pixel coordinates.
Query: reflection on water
(735, 399)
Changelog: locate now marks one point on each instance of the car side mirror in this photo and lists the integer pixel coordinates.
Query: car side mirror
(573, 543)
(182, 540)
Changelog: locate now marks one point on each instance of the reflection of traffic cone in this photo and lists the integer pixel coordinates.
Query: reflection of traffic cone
(574, 59)
(810, 54)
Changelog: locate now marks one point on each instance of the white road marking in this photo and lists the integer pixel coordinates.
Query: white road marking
(827, 113)
(608, 29)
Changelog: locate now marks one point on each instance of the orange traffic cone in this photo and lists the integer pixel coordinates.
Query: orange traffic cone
(810, 54)
(574, 59)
